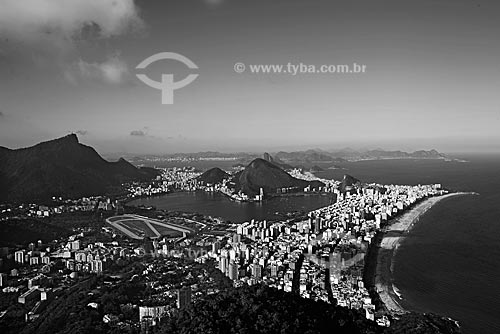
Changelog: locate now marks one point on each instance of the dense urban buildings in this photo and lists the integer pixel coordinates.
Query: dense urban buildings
(319, 257)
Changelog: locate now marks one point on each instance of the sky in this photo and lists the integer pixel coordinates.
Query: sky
(432, 74)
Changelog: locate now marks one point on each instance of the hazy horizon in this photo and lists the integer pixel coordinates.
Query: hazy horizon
(431, 80)
(270, 149)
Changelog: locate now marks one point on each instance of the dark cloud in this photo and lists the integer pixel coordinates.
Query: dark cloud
(2, 115)
(56, 23)
(48, 33)
(138, 133)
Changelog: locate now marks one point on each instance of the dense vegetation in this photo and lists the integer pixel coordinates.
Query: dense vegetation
(70, 312)
(256, 309)
(22, 231)
(119, 296)
(261, 309)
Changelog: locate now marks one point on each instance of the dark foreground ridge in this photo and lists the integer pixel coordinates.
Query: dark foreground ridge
(261, 309)
(249, 309)
(61, 167)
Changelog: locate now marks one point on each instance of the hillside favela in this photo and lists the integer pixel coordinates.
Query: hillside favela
(249, 167)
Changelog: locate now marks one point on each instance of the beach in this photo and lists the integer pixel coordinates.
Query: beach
(393, 235)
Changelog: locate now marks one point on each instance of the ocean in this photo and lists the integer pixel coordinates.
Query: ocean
(449, 264)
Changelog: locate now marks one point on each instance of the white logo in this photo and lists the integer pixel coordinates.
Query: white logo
(167, 84)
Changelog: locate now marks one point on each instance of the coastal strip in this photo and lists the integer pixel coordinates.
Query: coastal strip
(392, 237)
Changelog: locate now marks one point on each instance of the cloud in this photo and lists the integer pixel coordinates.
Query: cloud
(113, 70)
(54, 34)
(82, 132)
(2, 115)
(145, 133)
(138, 133)
(60, 23)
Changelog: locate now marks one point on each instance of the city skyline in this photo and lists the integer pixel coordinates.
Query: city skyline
(430, 79)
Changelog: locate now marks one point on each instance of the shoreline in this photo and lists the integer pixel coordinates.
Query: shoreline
(393, 234)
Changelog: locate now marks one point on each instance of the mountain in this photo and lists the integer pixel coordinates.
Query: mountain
(264, 174)
(61, 167)
(286, 160)
(379, 154)
(213, 176)
(266, 156)
(309, 156)
(432, 154)
(422, 154)
(348, 182)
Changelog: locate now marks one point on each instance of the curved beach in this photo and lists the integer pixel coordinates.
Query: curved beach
(393, 235)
